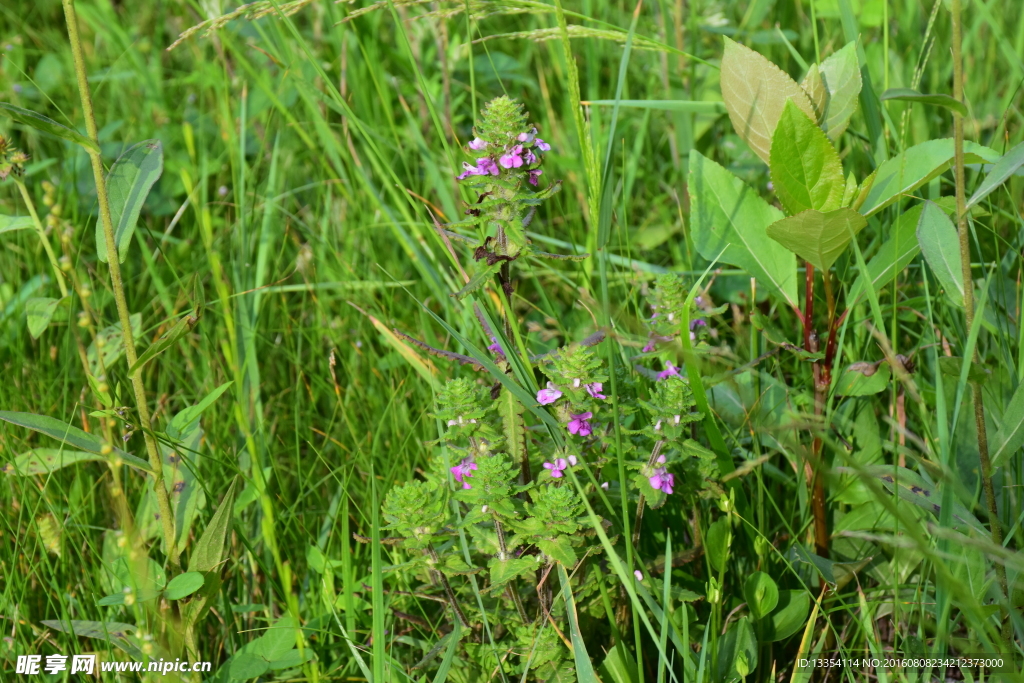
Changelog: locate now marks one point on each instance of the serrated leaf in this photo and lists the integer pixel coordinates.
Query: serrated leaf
(482, 277)
(46, 125)
(184, 585)
(165, 341)
(728, 218)
(46, 460)
(1001, 171)
(503, 571)
(70, 435)
(755, 92)
(940, 244)
(819, 238)
(805, 167)
(40, 311)
(12, 223)
(914, 167)
(841, 74)
(128, 184)
(939, 100)
(1010, 436)
(512, 425)
(816, 91)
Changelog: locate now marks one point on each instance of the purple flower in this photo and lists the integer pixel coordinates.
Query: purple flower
(557, 467)
(533, 175)
(668, 371)
(662, 480)
(542, 146)
(463, 471)
(477, 143)
(594, 389)
(484, 166)
(513, 159)
(528, 136)
(580, 424)
(530, 157)
(650, 346)
(496, 348)
(638, 574)
(549, 395)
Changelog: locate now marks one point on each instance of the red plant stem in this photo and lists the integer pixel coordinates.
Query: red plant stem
(808, 319)
(812, 467)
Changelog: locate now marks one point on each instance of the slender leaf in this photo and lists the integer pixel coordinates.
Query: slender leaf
(584, 666)
(1000, 173)
(168, 338)
(939, 100)
(128, 184)
(893, 256)
(70, 435)
(46, 125)
(914, 167)
(940, 245)
(12, 223)
(685, 106)
(46, 460)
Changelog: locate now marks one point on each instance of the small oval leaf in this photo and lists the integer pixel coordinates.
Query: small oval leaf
(183, 585)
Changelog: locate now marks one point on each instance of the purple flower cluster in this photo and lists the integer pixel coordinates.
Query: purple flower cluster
(516, 156)
(463, 471)
(560, 465)
(661, 479)
(580, 424)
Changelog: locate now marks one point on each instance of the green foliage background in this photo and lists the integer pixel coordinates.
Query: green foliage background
(301, 154)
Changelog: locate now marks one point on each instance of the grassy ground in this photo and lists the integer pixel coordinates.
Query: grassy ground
(301, 157)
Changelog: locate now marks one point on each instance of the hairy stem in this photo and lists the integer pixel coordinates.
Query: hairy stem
(448, 588)
(965, 260)
(155, 461)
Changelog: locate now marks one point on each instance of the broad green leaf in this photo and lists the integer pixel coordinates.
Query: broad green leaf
(755, 92)
(761, 593)
(952, 365)
(70, 435)
(277, 640)
(166, 340)
(818, 237)
(291, 659)
(559, 549)
(183, 585)
(717, 541)
(503, 571)
(1001, 171)
(841, 73)
(12, 223)
(46, 125)
(1010, 436)
(728, 221)
(805, 167)
(939, 100)
(39, 312)
(737, 651)
(855, 383)
(246, 666)
(790, 616)
(940, 244)
(914, 167)
(128, 184)
(113, 632)
(46, 460)
(618, 666)
(893, 256)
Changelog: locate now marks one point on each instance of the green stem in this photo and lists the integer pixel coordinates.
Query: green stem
(42, 237)
(965, 260)
(155, 461)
